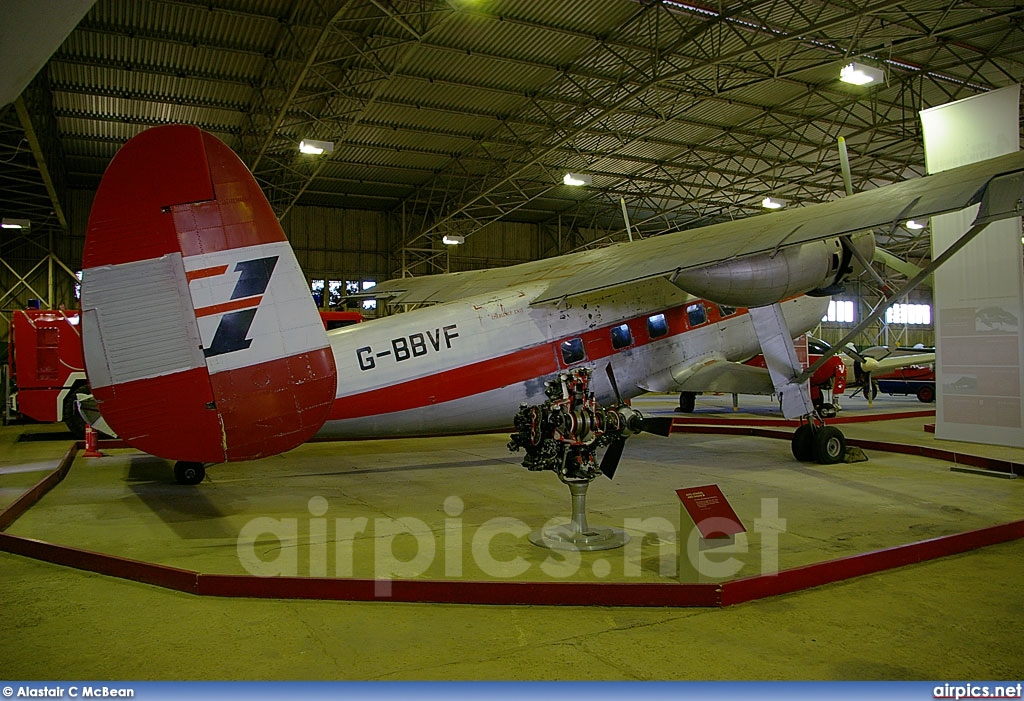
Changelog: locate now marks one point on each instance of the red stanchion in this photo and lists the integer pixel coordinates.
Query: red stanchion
(91, 448)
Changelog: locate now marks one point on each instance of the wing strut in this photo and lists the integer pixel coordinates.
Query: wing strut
(880, 309)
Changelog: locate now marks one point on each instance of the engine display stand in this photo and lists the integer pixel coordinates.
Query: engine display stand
(578, 534)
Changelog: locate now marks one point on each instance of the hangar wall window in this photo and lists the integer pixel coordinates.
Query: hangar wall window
(335, 291)
(368, 304)
(317, 288)
(657, 326)
(572, 351)
(909, 314)
(696, 314)
(839, 311)
(621, 336)
(78, 284)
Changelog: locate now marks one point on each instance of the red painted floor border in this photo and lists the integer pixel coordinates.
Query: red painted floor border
(499, 592)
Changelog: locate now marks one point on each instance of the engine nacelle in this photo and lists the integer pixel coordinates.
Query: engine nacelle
(756, 281)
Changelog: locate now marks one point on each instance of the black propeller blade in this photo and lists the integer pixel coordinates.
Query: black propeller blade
(615, 385)
(658, 425)
(610, 461)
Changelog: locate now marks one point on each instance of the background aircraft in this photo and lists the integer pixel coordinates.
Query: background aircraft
(192, 298)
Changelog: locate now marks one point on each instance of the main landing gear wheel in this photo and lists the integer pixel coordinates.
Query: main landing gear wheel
(687, 402)
(926, 394)
(829, 445)
(189, 472)
(803, 443)
(823, 444)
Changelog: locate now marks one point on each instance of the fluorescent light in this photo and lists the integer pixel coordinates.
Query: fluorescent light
(315, 147)
(773, 203)
(453, 240)
(915, 225)
(860, 74)
(9, 223)
(577, 179)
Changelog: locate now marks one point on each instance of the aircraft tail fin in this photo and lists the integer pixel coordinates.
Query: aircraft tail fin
(202, 341)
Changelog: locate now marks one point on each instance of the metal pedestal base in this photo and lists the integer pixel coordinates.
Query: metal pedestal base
(577, 535)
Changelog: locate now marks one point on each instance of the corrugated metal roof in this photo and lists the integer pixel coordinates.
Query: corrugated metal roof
(435, 103)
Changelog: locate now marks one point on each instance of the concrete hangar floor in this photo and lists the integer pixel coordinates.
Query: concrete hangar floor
(956, 617)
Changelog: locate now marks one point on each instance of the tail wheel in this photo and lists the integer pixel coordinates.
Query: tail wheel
(189, 472)
(829, 445)
(72, 417)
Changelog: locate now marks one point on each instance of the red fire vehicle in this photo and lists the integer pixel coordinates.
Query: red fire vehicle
(46, 370)
(44, 359)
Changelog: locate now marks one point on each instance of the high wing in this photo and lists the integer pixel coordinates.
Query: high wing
(992, 183)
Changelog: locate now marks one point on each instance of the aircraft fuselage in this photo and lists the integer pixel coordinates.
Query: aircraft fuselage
(467, 366)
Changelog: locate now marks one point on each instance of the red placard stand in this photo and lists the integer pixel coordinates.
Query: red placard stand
(708, 558)
(711, 512)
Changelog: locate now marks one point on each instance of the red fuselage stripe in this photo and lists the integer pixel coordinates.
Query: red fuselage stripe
(513, 368)
(449, 385)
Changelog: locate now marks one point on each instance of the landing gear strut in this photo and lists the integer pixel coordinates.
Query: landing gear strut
(189, 472)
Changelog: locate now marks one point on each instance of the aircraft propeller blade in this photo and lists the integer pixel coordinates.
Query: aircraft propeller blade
(864, 365)
(658, 425)
(610, 461)
(615, 385)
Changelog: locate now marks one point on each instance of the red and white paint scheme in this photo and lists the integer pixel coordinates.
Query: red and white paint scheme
(203, 344)
(201, 340)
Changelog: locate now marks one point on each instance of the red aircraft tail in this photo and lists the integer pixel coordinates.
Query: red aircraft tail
(202, 341)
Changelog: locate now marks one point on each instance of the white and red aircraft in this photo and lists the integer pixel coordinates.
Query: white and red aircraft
(193, 298)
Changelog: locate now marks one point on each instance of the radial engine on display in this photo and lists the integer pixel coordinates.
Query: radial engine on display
(564, 433)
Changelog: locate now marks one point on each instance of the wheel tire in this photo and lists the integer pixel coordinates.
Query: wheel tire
(926, 394)
(829, 445)
(687, 402)
(72, 417)
(189, 472)
(803, 443)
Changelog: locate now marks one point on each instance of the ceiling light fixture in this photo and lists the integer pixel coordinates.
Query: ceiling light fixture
(773, 203)
(861, 74)
(452, 240)
(915, 225)
(577, 179)
(9, 223)
(315, 147)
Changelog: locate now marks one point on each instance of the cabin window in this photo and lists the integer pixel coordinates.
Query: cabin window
(572, 351)
(696, 314)
(657, 326)
(621, 336)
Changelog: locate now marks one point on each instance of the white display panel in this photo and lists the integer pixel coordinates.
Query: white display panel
(979, 292)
